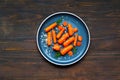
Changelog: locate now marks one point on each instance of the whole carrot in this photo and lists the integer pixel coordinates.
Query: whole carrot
(75, 29)
(54, 36)
(49, 38)
(63, 38)
(68, 41)
(70, 53)
(70, 30)
(53, 25)
(60, 33)
(56, 47)
(66, 49)
(80, 38)
(75, 41)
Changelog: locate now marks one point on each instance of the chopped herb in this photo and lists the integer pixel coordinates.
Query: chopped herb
(57, 54)
(74, 50)
(59, 21)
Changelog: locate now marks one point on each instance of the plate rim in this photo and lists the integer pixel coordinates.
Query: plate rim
(69, 13)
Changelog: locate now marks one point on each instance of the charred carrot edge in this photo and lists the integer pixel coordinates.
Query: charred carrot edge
(66, 49)
(56, 47)
(70, 53)
(75, 41)
(79, 43)
(49, 38)
(63, 38)
(60, 27)
(70, 30)
(54, 36)
(65, 23)
(53, 25)
(68, 41)
(80, 38)
(75, 29)
(60, 33)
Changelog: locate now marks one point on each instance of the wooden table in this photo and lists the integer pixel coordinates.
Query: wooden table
(19, 55)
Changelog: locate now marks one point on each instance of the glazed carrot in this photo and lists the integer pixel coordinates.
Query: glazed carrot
(56, 47)
(66, 49)
(63, 38)
(54, 36)
(68, 41)
(49, 38)
(79, 43)
(53, 25)
(70, 30)
(75, 41)
(60, 33)
(80, 38)
(75, 29)
(70, 53)
(60, 27)
(65, 23)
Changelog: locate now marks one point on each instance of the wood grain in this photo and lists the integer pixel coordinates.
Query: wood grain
(20, 58)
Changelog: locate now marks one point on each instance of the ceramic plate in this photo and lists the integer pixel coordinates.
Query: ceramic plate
(48, 53)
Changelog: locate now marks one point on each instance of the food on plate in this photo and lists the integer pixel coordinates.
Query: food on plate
(75, 41)
(54, 36)
(56, 47)
(63, 38)
(68, 41)
(66, 49)
(60, 33)
(49, 38)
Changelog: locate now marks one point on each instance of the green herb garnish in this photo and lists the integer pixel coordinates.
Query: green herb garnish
(57, 54)
(59, 21)
(74, 50)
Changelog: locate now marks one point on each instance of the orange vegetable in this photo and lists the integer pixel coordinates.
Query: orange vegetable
(65, 23)
(80, 38)
(56, 47)
(70, 30)
(79, 43)
(49, 38)
(68, 41)
(75, 29)
(66, 49)
(54, 36)
(75, 41)
(63, 38)
(70, 53)
(60, 27)
(53, 25)
(60, 33)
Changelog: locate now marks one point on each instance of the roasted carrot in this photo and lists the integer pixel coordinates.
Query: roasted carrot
(75, 41)
(65, 23)
(70, 53)
(56, 47)
(60, 33)
(68, 41)
(66, 49)
(80, 38)
(60, 27)
(75, 29)
(49, 38)
(79, 43)
(70, 30)
(54, 36)
(63, 38)
(53, 25)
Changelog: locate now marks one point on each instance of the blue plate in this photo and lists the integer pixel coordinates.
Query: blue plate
(48, 53)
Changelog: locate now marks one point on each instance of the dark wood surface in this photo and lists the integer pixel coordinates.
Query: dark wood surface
(20, 58)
